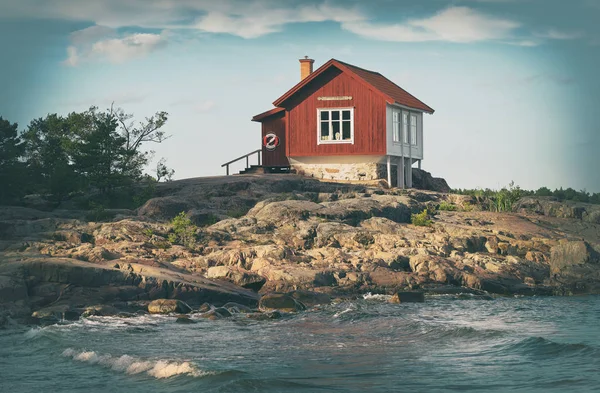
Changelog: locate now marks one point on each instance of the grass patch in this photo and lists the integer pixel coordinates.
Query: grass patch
(447, 206)
(421, 219)
(237, 212)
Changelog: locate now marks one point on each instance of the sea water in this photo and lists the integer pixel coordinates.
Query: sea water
(448, 343)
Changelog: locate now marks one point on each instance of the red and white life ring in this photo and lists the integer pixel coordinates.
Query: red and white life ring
(270, 141)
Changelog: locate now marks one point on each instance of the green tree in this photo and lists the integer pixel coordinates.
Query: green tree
(163, 172)
(543, 192)
(12, 168)
(148, 131)
(48, 143)
(98, 153)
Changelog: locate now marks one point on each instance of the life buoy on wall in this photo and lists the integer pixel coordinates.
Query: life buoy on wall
(270, 141)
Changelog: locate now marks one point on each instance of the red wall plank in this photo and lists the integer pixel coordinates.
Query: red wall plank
(369, 117)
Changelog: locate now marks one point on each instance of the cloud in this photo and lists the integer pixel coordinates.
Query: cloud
(454, 24)
(91, 34)
(251, 19)
(243, 18)
(204, 106)
(555, 34)
(118, 50)
(97, 43)
(255, 19)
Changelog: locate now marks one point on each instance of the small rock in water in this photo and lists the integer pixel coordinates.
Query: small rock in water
(280, 301)
(222, 311)
(100, 311)
(408, 297)
(310, 298)
(167, 306)
(259, 316)
(237, 308)
(212, 315)
(183, 319)
(205, 307)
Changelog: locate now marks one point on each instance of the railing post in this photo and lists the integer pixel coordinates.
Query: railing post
(227, 169)
(259, 161)
(247, 162)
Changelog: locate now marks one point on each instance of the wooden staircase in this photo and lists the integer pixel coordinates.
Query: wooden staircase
(256, 169)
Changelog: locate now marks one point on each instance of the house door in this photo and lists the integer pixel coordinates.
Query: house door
(273, 143)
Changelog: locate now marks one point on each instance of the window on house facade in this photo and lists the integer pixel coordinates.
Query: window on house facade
(405, 127)
(396, 126)
(336, 125)
(413, 129)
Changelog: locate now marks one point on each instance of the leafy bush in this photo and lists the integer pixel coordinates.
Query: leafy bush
(184, 231)
(467, 207)
(98, 213)
(237, 212)
(447, 206)
(421, 219)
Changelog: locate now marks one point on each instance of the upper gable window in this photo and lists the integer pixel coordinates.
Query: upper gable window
(335, 125)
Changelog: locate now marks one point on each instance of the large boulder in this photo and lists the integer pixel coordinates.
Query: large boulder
(164, 208)
(424, 181)
(238, 276)
(281, 302)
(575, 267)
(168, 306)
(568, 254)
(281, 212)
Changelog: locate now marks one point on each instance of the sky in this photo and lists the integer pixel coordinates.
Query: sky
(514, 83)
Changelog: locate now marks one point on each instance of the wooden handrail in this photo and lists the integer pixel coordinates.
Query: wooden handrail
(246, 156)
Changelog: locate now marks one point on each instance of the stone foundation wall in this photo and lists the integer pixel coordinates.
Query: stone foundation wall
(352, 172)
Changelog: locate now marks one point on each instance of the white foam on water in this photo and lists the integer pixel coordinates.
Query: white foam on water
(337, 314)
(33, 333)
(131, 365)
(370, 296)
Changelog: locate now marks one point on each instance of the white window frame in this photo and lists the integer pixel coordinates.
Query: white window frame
(396, 125)
(328, 142)
(416, 128)
(405, 133)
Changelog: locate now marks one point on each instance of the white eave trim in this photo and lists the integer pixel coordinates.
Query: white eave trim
(408, 108)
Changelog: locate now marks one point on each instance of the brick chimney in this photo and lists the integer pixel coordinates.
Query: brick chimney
(306, 67)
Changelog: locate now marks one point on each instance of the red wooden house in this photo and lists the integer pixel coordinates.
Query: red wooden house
(343, 122)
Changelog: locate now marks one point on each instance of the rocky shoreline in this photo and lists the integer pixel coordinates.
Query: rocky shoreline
(260, 235)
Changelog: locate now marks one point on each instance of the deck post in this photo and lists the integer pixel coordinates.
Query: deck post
(400, 174)
(389, 171)
(419, 164)
(227, 170)
(259, 158)
(247, 162)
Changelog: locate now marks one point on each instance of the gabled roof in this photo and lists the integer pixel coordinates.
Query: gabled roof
(266, 114)
(393, 93)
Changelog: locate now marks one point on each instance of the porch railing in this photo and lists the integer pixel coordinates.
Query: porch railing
(246, 156)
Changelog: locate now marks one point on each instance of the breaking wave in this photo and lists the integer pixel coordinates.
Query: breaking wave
(539, 346)
(370, 296)
(131, 365)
